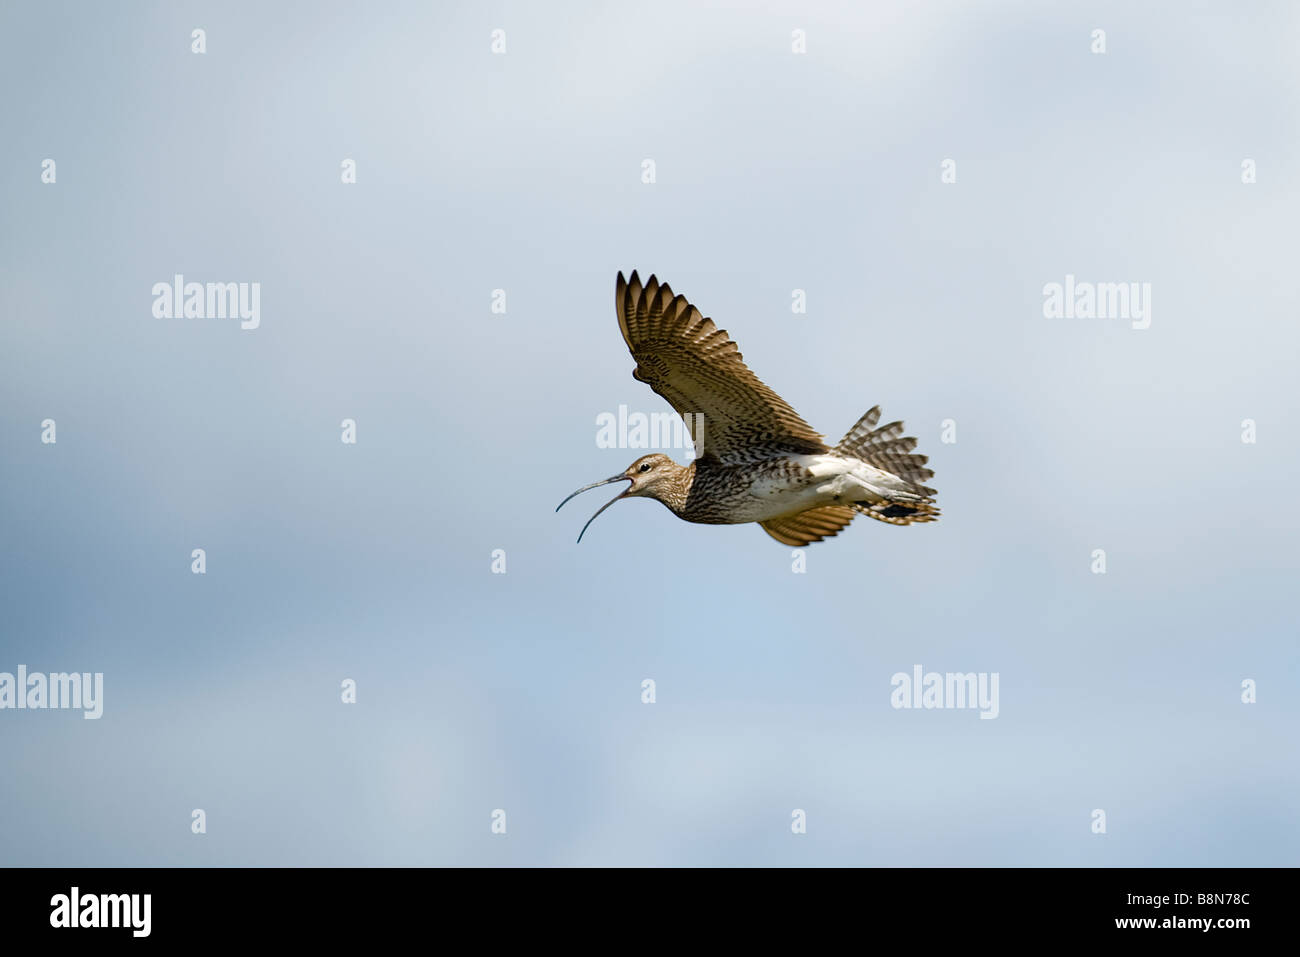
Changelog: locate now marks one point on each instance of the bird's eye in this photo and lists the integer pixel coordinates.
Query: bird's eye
(646, 467)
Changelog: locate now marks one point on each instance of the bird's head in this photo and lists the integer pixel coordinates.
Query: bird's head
(651, 476)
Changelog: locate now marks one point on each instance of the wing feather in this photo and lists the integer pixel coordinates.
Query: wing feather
(811, 526)
(693, 364)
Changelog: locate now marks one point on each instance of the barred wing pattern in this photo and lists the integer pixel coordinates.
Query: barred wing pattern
(695, 366)
(811, 526)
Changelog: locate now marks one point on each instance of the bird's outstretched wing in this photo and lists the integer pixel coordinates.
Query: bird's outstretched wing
(811, 526)
(694, 365)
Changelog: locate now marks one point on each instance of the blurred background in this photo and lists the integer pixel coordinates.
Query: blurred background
(522, 171)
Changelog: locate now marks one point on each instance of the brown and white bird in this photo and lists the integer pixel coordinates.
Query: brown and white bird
(756, 459)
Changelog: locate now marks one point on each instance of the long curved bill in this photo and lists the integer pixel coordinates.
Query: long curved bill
(585, 488)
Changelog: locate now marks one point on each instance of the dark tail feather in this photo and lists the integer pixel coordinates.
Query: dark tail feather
(900, 513)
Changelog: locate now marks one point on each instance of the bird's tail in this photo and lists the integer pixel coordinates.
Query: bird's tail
(888, 449)
(899, 513)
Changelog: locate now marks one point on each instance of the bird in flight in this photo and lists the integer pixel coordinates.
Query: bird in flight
(756, 459)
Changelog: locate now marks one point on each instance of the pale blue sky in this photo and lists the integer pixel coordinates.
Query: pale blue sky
(774, 172)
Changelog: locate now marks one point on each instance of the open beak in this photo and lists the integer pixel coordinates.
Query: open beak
(612, 478)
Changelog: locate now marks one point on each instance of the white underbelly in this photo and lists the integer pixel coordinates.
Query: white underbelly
(826, 479)
(823, 480)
